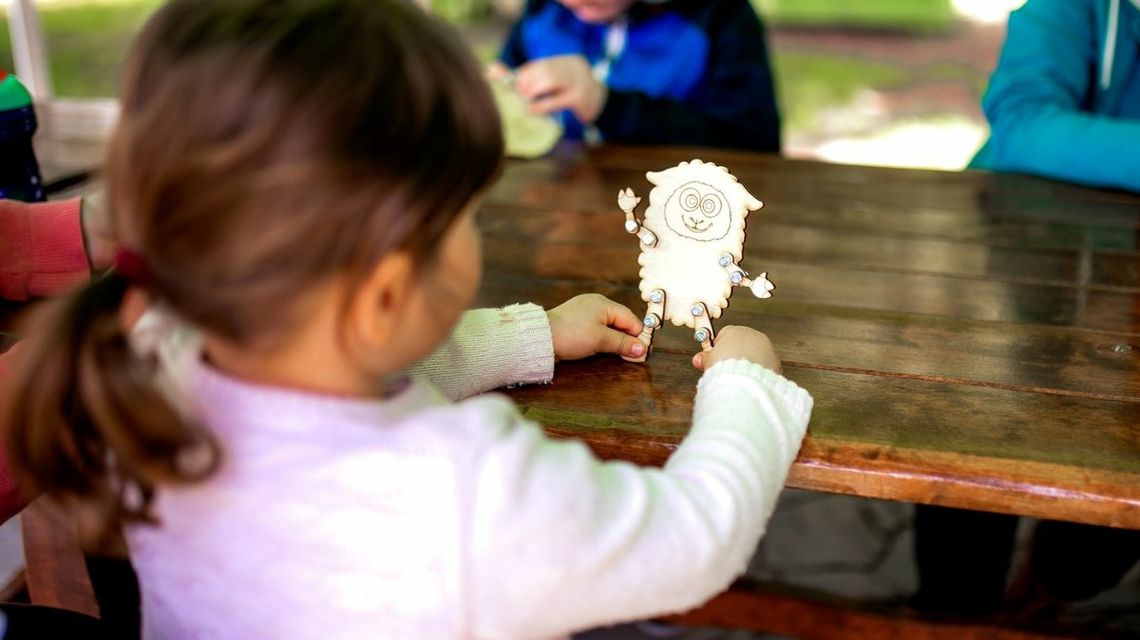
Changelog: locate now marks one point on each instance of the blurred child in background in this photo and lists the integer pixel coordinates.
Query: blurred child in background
(683, 72)
(1064, 100)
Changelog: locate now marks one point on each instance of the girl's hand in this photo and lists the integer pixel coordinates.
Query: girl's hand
(96, 225)
(740, 342)
(562, 82)
(588, 324)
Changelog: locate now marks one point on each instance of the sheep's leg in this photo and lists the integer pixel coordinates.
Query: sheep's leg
(704, 332)
(651, 322)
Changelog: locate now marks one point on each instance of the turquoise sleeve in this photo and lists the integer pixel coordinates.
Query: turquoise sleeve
(1036, 102)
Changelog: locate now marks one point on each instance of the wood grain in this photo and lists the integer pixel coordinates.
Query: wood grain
(971, 339)
(904, 292)
(872, 436)
(786, 611)
(56, 571)
(874, 250)
(1043, 359)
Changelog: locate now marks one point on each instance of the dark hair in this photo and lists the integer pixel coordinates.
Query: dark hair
(264, 146)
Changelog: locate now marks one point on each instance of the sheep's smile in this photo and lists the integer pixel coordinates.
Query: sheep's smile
(699, 211)
(695, 225)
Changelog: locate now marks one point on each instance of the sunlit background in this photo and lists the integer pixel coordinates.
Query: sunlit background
(886, 82)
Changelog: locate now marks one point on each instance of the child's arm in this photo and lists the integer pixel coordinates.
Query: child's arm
(42, 251)
(560, 541)
(1036, 97)
(492, 348)
(734, 107)
(41, 248)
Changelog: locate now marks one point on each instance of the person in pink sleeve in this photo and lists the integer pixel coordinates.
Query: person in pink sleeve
(45, 248)
(48, 247)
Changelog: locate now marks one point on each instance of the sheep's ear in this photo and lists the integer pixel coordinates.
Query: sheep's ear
(655, 177)
(753, 204)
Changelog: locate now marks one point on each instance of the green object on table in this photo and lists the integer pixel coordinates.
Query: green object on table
(20, 177)
(13, 95)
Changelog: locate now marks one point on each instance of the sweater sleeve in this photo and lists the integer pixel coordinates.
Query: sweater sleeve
(1034, 102)
(492, 348)
(734, 108)
(559, 541)
(41, 248)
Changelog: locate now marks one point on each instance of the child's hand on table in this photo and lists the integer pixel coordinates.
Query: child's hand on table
(740, 342)
(588, 324)
(562, 82)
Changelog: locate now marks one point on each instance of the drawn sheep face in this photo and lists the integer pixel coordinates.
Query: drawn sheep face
(698, 211)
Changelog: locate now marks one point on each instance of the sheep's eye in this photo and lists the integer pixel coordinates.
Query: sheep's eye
(690, 199)
(710, 206)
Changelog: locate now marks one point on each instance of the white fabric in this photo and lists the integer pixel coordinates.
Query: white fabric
(413, 517)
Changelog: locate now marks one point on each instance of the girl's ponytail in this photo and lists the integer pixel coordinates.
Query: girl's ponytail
(84, 419)
(263, 148)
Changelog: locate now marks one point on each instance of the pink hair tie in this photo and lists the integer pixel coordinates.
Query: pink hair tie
(132, 266)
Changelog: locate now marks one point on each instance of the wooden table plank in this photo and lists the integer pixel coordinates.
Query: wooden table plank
(859, 217)
(917, 185)
(917, 293)
(970, 339)
(1050, 360)
(56, 570)
(869, 437)
(901, 192)
(849, 249)
(800, 613)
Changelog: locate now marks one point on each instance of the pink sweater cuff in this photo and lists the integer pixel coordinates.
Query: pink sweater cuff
(41, 248)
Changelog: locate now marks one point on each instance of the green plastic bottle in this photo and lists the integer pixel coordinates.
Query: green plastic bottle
(20, 177)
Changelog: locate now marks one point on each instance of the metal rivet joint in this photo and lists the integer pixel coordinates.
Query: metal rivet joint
(698, 310)
(725, 260)
(736, 277)
(650, 321)
(656, 296)
(701, 335)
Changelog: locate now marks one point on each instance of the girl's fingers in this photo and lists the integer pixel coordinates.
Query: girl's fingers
(612, 341)
(621, 318)
(699, 361)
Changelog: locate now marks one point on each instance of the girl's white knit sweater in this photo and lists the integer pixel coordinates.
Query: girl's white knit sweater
(426, 516)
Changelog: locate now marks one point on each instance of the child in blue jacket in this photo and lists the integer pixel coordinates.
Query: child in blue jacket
(1064, 101)
(686, 72)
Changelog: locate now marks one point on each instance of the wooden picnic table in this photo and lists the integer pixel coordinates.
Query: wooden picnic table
(970, 339)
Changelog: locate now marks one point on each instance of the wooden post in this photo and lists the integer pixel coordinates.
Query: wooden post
(28, 49)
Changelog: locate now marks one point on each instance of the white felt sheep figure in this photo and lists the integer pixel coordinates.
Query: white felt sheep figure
(692, 239)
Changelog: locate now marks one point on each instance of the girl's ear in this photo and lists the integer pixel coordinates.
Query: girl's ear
(379, 301)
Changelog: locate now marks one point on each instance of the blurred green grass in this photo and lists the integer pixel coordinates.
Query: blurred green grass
(920, 16)
(809, 83)
(87, 42)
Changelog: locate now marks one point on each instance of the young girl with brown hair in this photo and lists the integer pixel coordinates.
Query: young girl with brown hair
(293, 183)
